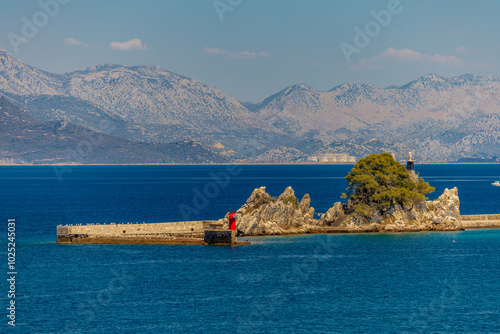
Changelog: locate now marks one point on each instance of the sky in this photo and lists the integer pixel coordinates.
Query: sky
(254, 48)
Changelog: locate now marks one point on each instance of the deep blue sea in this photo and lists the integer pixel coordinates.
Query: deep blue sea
(373, 283)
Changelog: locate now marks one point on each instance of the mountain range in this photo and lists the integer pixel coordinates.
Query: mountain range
(438, 118)
(26, 140)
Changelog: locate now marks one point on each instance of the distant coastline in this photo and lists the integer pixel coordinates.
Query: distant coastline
(244, 164)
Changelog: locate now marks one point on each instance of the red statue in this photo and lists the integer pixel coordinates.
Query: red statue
(232, 220)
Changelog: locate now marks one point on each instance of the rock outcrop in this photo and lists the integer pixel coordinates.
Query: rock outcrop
(442, 214)
(265, 215)
(332, 216)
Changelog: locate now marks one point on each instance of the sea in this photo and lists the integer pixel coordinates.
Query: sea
(440, 282)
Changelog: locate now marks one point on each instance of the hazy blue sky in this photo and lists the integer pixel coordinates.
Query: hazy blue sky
(254, 48)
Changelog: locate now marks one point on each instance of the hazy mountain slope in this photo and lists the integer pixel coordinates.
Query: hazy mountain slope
(141, 103)
(153, 95)
(361, 106)
(140, 94)
(67, 108)
(22, 79)
(79, 112)
(441, 118)
(438, 116)
(26, 140)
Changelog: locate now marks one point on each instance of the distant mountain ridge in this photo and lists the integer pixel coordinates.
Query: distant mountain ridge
(25, 140)
(167, 97)
(439, 118)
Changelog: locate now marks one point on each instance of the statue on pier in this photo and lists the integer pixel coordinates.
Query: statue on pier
(411, 168)
(409, 162)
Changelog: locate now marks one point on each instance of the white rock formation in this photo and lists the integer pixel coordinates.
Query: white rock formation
(334, 213)
(264, 215)
(442, 214)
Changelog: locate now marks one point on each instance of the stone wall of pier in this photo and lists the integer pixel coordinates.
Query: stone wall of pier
(480, 221)
(133, 229)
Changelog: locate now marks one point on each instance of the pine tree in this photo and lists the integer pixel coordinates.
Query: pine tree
(378, 182)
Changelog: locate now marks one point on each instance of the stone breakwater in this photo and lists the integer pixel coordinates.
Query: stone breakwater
(176, 233)
(265, 215)
(481, 221)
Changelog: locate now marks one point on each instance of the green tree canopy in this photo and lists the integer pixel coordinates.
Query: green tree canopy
(378, 182)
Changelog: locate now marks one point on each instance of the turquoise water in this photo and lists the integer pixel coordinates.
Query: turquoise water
(376, 283)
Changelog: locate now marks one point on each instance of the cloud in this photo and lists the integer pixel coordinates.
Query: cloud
(72, 41)
(406, 55)
(241, 54)
(400, 54)
(133, 44)
(362, 65)
(214, 51)
(415, 56)
(249, 54)
(460, 49)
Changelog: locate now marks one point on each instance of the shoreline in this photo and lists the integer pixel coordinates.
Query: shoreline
(374, 232)
(360, 231)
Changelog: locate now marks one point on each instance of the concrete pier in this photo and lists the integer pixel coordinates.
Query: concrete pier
(176, 233)
(481, 221)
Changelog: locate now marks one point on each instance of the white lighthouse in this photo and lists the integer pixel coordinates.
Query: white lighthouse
(411, 168)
